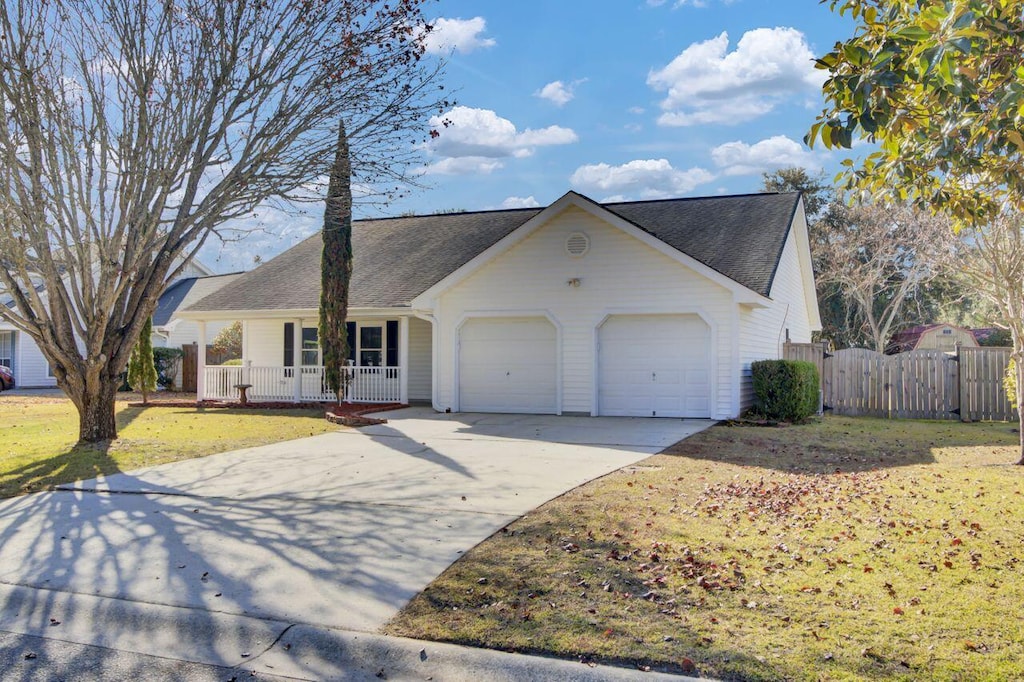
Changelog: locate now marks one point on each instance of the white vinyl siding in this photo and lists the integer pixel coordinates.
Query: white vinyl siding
(31, 370)
(654, 366)
(763, 330)
(508, 365)
(619, 274)
(420, 359)
(264, 341)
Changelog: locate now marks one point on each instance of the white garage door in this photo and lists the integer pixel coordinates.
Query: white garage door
(508, 365)
(654, 366)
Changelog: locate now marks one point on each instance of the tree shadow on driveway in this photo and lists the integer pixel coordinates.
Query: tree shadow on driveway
(169, 564)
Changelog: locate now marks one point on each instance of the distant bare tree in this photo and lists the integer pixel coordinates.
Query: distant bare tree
(992, 264)
(130, 132)
(878, 256)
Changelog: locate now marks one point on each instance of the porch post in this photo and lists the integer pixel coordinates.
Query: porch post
(403, 360)
(245, 342)
(245, 355)
(201, 363)
(297, 358)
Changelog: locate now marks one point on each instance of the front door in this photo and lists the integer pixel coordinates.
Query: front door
(373, 350)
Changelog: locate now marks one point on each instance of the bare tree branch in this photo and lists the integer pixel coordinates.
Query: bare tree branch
(131, 131)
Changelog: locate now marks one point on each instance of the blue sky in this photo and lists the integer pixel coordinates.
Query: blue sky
(616, 99)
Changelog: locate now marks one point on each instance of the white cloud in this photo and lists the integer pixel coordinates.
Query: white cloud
(459, 35)
(559, 93)
(643, 178)
(708, 84)
(463, 165)
(520, 202)
(740, 158)
(469, 141)
(636, 110)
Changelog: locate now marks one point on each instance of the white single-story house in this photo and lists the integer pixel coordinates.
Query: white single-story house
(19, 351)
(648, 308)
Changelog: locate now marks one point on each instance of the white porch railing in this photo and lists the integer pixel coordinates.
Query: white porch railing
(278, 384)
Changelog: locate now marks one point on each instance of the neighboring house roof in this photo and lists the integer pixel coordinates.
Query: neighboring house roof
(396, 259)
(185, 292)
(7, 299)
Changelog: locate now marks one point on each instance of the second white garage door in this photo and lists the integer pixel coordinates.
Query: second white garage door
(654, 366)
(508, 364)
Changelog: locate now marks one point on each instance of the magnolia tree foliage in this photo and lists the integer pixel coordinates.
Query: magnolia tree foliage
(131, 132)
(939, 85)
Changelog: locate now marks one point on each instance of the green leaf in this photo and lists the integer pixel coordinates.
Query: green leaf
(913, 33)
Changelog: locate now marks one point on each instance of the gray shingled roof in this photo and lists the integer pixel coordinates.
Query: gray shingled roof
(185, 292)
(396, 259)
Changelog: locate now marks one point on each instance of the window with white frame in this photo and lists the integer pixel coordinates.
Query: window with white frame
(311, 347)
(373, 343)
(7, 349)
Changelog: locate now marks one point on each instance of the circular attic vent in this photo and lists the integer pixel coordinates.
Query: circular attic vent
(577, 244)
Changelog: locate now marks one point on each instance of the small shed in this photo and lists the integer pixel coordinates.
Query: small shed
(944, 337)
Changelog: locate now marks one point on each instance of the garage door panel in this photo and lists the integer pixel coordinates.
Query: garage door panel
(508, 365)
(654, 365)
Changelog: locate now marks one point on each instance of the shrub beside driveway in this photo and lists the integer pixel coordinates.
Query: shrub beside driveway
(37, 449)
(843, 549)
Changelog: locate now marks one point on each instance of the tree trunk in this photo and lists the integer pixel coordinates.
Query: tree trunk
(96, 413)
(1020, 404)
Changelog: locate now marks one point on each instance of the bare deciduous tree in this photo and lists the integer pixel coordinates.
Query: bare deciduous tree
(130, 132)
(879, 256)
(992, 264)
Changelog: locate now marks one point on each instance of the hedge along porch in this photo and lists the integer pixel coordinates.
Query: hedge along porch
(653, 308)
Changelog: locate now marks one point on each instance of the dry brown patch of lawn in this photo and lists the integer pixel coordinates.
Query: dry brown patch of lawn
(842, 549)
(39, 450)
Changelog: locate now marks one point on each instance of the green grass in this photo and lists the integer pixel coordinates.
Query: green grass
(839, 550)
(37, 448)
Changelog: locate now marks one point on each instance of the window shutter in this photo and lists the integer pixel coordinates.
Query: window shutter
(392, 341)
(350, 330)
(289, 344)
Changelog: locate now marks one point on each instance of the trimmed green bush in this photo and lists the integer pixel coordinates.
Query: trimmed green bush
(786, 390)
(166, 361)
(236, 362)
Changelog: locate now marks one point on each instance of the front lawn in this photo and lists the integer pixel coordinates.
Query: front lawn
(38, 434)
(843, 549)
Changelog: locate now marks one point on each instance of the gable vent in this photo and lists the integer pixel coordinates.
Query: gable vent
(577, 244)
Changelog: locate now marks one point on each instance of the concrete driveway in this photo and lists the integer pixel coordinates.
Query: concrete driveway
(213, 559)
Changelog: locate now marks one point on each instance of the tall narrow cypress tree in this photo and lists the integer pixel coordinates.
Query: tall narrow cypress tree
(141, 368)
(336, 268)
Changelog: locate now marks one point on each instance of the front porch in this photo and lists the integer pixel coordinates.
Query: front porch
(389, 362)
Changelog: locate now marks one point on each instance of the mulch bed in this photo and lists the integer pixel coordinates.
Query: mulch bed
(348, 414)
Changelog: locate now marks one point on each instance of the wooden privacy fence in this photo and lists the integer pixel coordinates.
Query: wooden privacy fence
(920, 384)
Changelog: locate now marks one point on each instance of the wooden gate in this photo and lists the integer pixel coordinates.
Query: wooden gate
(190, 368)
(922, 384)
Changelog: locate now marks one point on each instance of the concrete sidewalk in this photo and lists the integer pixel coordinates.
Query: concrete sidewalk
(205, 560)
(140, 641)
